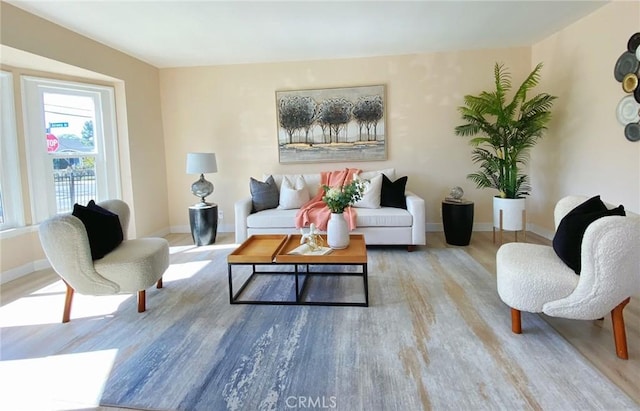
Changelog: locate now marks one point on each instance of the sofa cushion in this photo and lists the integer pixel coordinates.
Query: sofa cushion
(264, 195)
(392, 194)
(372, 192)
(389, 172)
(366, 217)
(293, 193)
(567, 242)
(383, 217)
(103, 228)
(273, 218)
(312, 181)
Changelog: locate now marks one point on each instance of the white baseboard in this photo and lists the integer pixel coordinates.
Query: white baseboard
(543, 232)
(534, 228)
(15, 273)
(160, 233)
(222, 228)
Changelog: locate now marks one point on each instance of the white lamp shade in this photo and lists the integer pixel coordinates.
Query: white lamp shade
(201, 163)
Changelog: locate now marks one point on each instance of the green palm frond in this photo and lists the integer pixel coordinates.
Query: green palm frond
(502, 133)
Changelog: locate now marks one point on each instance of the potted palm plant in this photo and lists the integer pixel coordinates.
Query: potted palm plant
(502, 134)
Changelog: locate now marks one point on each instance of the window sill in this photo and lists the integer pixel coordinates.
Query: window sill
(16, 232)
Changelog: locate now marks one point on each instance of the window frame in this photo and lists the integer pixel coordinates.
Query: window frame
(39, 162)
(10, 179)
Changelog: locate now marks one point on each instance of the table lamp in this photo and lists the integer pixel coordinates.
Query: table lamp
(201, 163)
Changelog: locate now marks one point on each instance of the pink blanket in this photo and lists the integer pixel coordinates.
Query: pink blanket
(316, 211)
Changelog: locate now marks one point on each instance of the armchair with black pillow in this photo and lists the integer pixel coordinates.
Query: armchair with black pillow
(90, 251)
(592, 269)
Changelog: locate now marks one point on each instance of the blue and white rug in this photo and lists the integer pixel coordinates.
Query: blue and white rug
(436, 336)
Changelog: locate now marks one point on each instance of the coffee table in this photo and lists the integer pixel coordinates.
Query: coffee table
(272, 250)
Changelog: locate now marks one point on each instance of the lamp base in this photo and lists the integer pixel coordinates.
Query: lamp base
(202, 188)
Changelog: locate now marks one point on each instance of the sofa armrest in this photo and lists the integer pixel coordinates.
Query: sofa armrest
(415, 206)
(242, 210)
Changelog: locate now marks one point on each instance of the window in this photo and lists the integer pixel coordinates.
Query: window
(11, 210)
(72, 144)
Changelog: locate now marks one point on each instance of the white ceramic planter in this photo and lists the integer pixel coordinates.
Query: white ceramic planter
(512, 213)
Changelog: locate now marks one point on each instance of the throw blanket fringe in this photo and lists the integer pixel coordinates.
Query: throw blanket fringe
(316, 211)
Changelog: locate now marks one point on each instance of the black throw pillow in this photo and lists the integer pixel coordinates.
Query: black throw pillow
(567, 242)
(264, 195)
(392, 193)
(103, 228)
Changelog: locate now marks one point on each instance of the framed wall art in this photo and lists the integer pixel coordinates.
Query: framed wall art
(332, 124)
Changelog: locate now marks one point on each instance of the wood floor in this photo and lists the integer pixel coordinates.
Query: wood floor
(594, 339)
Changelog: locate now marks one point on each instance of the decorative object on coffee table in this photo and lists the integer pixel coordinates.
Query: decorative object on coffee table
(312, 239)
(337, 199)
(337, 232)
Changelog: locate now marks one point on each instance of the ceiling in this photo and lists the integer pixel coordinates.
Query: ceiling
(197, 33)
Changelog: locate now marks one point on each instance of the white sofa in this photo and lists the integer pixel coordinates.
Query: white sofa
(380, 226)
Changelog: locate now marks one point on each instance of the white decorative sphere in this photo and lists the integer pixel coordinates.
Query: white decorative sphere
(456, 192)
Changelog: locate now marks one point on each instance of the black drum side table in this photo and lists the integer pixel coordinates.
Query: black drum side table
(457, 219)
(204, 223)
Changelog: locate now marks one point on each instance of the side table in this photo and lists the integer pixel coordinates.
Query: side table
(204, 223)
(457, 219)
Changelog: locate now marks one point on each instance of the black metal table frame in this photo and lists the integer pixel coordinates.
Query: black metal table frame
(300, 290)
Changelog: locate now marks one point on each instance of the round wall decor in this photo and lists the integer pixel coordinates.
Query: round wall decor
(627, 72)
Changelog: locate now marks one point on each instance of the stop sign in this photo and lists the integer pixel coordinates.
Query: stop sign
(52, 143)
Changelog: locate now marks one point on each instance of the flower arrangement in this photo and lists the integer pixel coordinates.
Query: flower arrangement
(339, 198)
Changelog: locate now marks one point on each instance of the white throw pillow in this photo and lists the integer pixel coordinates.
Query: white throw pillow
(293, 194)
(372, 192)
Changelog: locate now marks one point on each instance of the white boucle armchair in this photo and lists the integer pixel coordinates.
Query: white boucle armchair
(533, 278)
(132, 267)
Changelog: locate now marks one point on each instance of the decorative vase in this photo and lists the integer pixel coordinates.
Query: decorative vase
(337, 232)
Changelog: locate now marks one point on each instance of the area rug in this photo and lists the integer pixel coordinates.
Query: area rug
(435, 336)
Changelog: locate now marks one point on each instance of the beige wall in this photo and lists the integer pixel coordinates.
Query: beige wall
(142, 157)
(231, 110)
(586, 151)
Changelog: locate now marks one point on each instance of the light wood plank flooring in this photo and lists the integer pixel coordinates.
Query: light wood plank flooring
(594, 339)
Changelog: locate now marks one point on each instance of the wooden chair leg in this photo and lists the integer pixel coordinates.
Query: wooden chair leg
(66, 314)
(142, 301)
(619, 334)
(159, 285)
(516, 322)
(411, 248)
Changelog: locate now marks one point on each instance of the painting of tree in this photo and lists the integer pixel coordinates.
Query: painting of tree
(337, 124)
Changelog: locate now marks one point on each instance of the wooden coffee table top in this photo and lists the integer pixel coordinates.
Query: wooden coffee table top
(269, 248)
(260, 248)
(356, 253)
